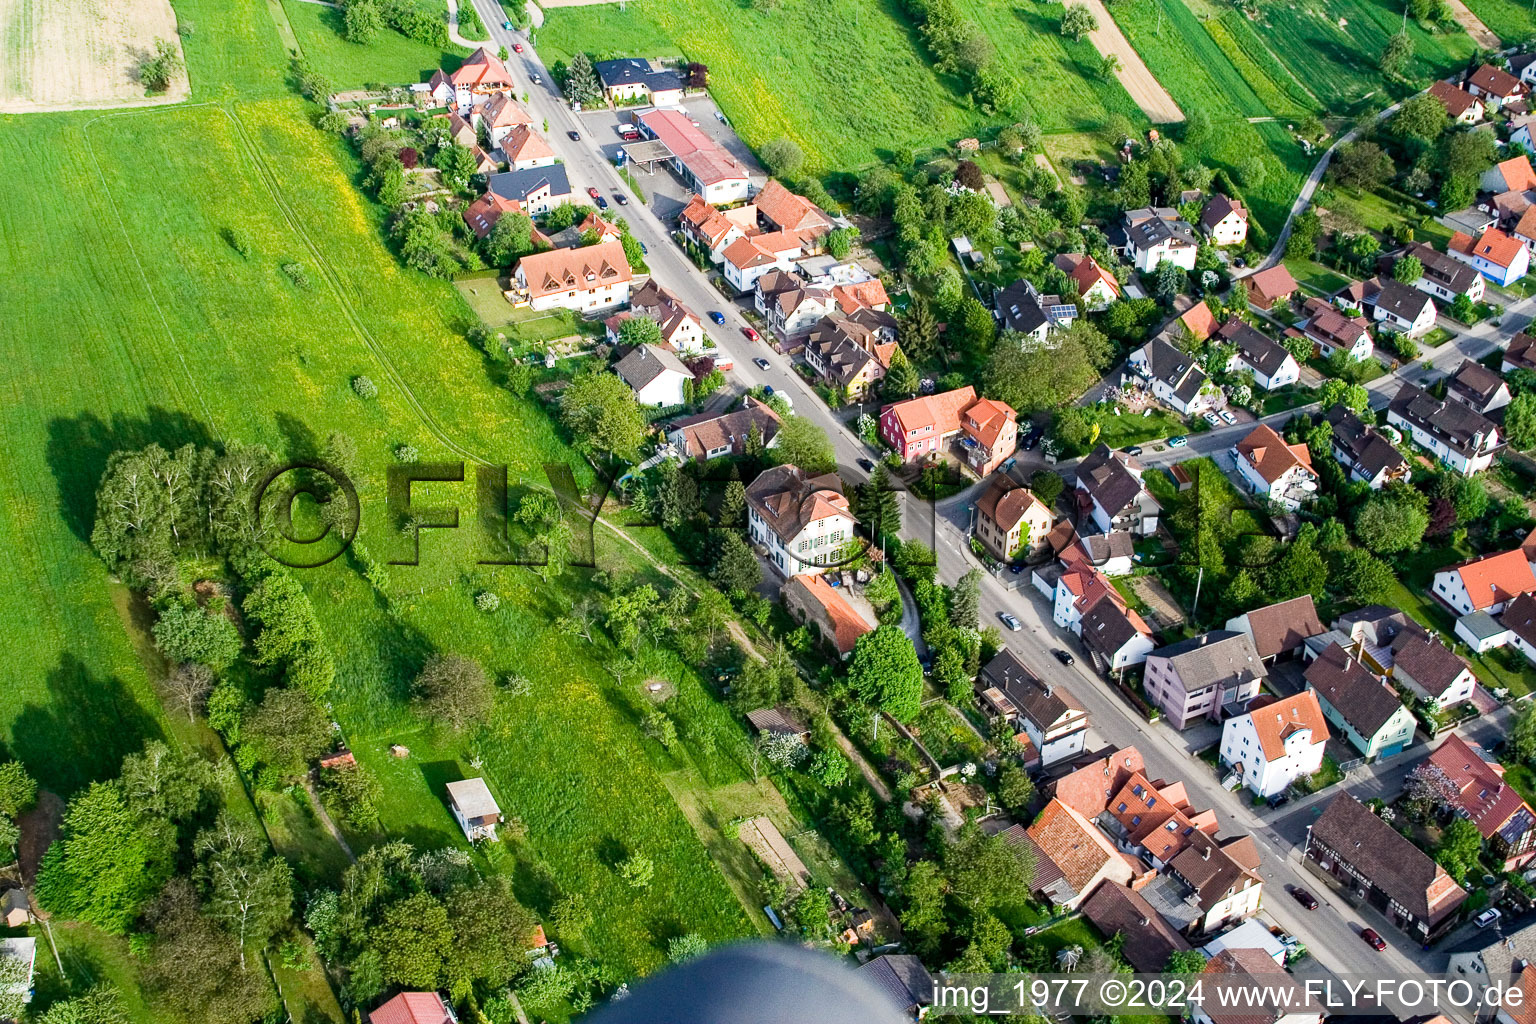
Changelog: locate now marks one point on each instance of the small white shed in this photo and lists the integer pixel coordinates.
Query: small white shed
(475, 808)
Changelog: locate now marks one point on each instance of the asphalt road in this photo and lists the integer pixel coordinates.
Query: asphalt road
(1331, 932)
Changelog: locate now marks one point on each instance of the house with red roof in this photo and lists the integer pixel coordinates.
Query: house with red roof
(1494, 86)
(713, 229)
(1501, 815)
(1484, 584)
(1279, 472)
(413, 1008)
(481, 75)
(1271, 287)
(1499, 257)
(1460, 106)
(1096, 287)
(1276, 744)
(524, 148)
(1199, 321)
(1246, 986)
(811, 600)
(704, 165)
(922, 427)
(1010, 520)
(1072, 856)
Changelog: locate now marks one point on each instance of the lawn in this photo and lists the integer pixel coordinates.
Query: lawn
(1315, 277)
(391, 59)
(1134, 428)
(1511, 21)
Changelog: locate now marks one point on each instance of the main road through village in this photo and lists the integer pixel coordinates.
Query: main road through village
(1332, 931)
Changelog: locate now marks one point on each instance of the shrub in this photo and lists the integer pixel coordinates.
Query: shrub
(406, 453)
(297, 274)
(364, 387)
(487, 601)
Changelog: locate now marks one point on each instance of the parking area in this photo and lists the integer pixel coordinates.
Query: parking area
(664, 192)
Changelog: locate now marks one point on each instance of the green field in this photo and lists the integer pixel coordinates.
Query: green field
(1511, 21)
(391, 59)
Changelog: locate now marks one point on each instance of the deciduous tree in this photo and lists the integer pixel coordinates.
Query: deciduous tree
(453, 689)
(886, 674)
(601, 411)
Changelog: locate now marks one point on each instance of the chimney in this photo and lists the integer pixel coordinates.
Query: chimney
(1145, 920)
(1205, 853)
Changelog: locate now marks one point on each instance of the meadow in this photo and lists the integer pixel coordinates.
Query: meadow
(391, 59)
(1511, 21)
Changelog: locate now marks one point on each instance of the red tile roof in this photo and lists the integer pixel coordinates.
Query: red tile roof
(1275, 723)
(702, 155)
(941, 411)
(1272, 284)
(412, 1008)
(1494, 81)
(1496, 579)
(482, 214)
(847, 624)
(584, 269)
(1523, 1009)
(1073, 843)
(1495, 246)
(481, 70)
(790, 212)
(1088, 789)
(987, 419)
(1457, 101)
(1269, 455)
(1200, 321)
(1486, 798)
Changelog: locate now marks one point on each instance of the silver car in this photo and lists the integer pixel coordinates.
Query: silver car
(1009, 621)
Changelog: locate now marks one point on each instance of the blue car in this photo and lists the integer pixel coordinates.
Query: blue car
(717, 316)
(1178, 442)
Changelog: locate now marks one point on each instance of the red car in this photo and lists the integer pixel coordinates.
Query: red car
(1373, 940)
(592, 192)
(750, 333)
(517, 47)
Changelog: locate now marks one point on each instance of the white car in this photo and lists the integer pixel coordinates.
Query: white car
(1487, 917)
(1213, 419)
(1009, 621)
(1227, 417)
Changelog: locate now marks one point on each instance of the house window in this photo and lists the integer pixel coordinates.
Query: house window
(1120, 809)
(1136, 820)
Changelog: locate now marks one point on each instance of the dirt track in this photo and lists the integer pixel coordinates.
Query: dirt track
(1145, 89)
(80, 54)
(1481, 34)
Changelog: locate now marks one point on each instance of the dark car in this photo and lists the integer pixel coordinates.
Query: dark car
(1305, 898)
(1133, 451)
(762, 364)
(1065, 657)
(1372, 939)
(1031, 439)
(717, 316)
(575, 136)
(867, 465)
(621, 198)
(602, 204)
(1016, 569)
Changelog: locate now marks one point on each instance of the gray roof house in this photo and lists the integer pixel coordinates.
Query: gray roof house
(1110, 488)
(1361, 449)
(1211, 675)
(655, 374)
(1477, 387)
(903, 978)
(1459, 436)
(525, 185)
(1174, 376)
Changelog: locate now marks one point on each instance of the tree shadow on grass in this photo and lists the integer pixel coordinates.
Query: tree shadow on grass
(89, 724)
(78, 448)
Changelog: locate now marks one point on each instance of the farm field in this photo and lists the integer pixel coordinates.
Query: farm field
(69, 57)
(1512, 22)
(391, 59)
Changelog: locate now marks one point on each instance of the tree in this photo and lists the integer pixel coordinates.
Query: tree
(877, 506)
(1467, 153)
(193, 964)
(1047, 485)
(1078, 20)
(984, 872)
(1429, 788)
(1014, 788)
(900, 380)
(639, 330)
(1185, 961)
(922, 917)
(160, 68)
(99, 1005)
(490, 934)
(185, 632)
(1520, 421)
(973, 330)
(163, 783)
(1047, 378)
(1304, 232)
(362, 21)
(839, 242)
(1521, 738)
(1108, 65)
(601, 411)
(628, 612)
(453, 689)
(541, 514)
(950, 676)
(1171, 281)
(965, 605)
(1394, 59)
(1353, 397)
(919, 331)
(244, 889)
(414, 937)
(1410, 268)
(1362, 578)
(802, 443)
(782, 156)
(510, 239)
(1459, 847)
(829, 768)
(1422, 119)
(286, 730)
(886, 674)
(18, 790)
(581, 84)
(637, 870)
(1252, 172)
(1389, 522)
(1362, 165)
(968, 175)
(108, 861)
(735, 569)
(685, 947)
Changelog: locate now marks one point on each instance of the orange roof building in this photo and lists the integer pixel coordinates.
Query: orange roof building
(1484, 584)
(1199, 321)
(1499, 257)
(1273, 469)
(922, 427)
(1275, 745)
(591, 277)
(810, 599)
(1078, 856)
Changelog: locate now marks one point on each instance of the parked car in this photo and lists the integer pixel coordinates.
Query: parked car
(1016, 568)
(1487, 917)
(602, 204)
(1009, 621)
(536, 79)
(1213, 419)
(621, 198)
(1305, 898)
(867, 465)
(1372, 939)
(592, 191)
(575, 136)
(762, 364)
(643, 250)
(1064, 657)
(516, 47)
(1133, 451)
(1178, 441)
(507, 25)
(720, 117)
(717, 316)
(751, 334)
(1227, 417)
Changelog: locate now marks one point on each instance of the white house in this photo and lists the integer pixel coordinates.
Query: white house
(1047, 714)
(1431, 670)
(1494, 86)
(1497, 256)
(680, 326)
(587, 278)
(1277, 744)
(656, 376)
(1478, 388)
(1272, 469)
(1445, 278)
(1404, 309)
(1154, 235)
(1224, 220)
(1118, 637)
(1460, 437)
(1269, 362)
(1460, 106)
(1331, 331)
(715, 230)
(1484, 584)
(1175, 378)
(1117, 499)
(1096, 287)
(1361, 449)
(474, 808)
(803, 522)
(749, 258)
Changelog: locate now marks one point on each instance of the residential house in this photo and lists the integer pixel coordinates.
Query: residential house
(1224, 220)
(1213, 675)
(482, 74)
(852, 351)
(903, 978)
(1523, 66)
(1271, 287)
(1113, 554)
(1369, 632)
(1051, 724)
(1270, 363)
(1364, 709)
(1110, 488)
(1519, 354)
(751, 256)
(1220, 878)
(1274, 745)
(1403, 309)
(713, 435)
(1175, 378)
(1494, 86)
(704, 165)
(482, 214)
(502, 115)
(802, 521)
(1279, 631)
(1477, 387)
(524, 149)
(1393, 875)
(1199, 321)
(589, 278)
(1460, 106)
(413, 1008)
(1485, 584)
(1155, 235)
(680, 326)
(1010, 520)
(1022, 309)
(538, 189)
(1246, 986)
(655, 374)
(791, 306)
(629, 79)
(715, 230)
(1503, 818)
(1072, 856)
(461, 131)
(474, 808)
(1501, 956)
(1361, 449)
(1278, 472)
(1445, 278)
(1495, 255)
(1330, 330)
(1115, 636)
(1147, 939)
(779, 209)
(810, 599)
(1525, 228)
(1076, 590)
(1096, 287)
(1516, 628)
(922, 427)
(1459, 437)
(23, 949)
(1251, 935)
(1512, 175)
